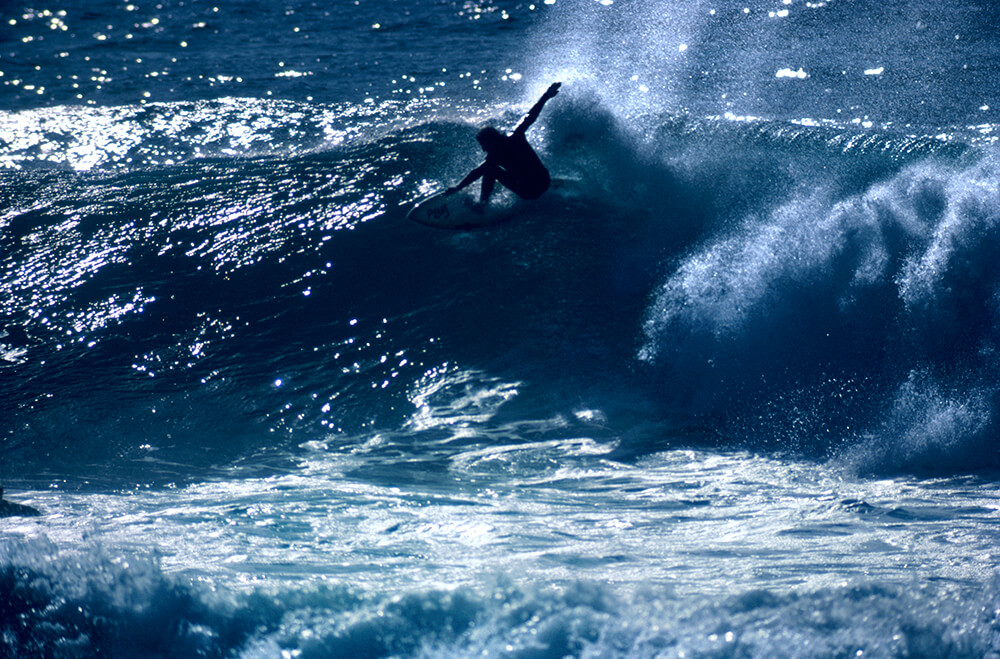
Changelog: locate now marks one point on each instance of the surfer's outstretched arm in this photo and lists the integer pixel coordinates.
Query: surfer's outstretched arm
(469, 179)
(532, 115)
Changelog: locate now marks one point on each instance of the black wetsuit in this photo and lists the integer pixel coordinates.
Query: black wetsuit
(511, 160)
(516, 165)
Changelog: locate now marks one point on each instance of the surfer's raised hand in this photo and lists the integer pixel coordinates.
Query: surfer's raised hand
(552, 90)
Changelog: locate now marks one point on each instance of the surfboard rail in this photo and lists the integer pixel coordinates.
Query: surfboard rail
(461, 210)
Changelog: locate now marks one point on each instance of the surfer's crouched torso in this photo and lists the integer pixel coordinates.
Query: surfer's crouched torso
(510, 159)
(515, 164)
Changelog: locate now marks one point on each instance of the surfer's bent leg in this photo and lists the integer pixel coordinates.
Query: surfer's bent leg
(488, 181)
(525, 185)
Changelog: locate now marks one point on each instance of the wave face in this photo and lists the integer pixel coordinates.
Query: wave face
(729, 390)
(261, 296)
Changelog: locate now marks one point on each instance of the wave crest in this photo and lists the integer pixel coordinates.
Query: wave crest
(868, 289)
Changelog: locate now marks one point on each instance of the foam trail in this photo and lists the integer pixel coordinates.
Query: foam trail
(92, 602)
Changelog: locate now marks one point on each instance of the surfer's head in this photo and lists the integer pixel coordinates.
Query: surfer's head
(489, 138)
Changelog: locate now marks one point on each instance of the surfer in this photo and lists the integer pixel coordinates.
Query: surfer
(510, 159)
(11, 509)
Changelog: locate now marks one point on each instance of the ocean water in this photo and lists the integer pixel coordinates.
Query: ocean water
(734, 395)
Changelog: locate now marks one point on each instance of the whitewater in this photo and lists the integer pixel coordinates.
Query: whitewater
(735, 396)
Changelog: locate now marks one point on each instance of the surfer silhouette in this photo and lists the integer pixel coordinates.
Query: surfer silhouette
(11, 509)
(510, 159)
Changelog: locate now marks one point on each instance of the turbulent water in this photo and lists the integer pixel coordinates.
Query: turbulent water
(735, 394)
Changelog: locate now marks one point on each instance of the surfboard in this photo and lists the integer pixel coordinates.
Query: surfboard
(456, 211)
(461, 211)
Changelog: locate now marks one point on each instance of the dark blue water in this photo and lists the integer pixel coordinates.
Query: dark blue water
(734, 393)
